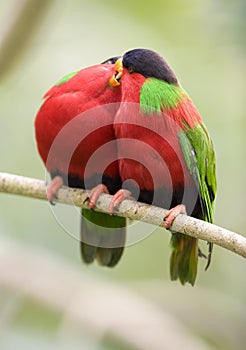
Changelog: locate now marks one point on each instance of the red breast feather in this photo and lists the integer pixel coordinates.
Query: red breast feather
(84, 95)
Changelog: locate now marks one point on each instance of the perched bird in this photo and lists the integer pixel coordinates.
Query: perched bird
(164, 150)
(74, 122)
(153, 140)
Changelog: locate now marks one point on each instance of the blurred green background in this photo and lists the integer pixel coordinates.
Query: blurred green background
(48, 299)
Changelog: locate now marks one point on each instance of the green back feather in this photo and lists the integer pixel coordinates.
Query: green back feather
(157, 95)
(66, 78)
(199, 155)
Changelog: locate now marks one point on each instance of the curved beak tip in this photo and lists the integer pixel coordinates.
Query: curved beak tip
(115, 79)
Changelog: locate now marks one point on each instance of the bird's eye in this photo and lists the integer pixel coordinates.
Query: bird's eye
(130, 70)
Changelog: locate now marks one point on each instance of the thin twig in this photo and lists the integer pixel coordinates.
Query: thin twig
(190, 226)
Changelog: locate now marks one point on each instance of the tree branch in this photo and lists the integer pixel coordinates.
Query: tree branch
(190, 226)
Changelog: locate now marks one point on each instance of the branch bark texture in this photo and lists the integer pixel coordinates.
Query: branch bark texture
(190, 226)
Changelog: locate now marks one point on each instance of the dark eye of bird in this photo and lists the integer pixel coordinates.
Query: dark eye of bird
(130, 70)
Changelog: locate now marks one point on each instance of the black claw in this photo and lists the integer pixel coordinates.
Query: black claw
(136, 208)
(208, 257)
(201, 254)
(86, 200)
(210, 249)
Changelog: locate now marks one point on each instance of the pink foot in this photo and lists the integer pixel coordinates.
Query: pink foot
(172, 214)
(95, 193)
(53, 188)
(118, 198)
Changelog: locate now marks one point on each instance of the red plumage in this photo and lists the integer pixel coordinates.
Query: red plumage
(86, 95)
(185, 114)
(93, 131)
(76, 141)
(153, 156)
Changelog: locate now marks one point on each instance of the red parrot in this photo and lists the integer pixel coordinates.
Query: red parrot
(153, 140)
(75, 120)
(164, 150)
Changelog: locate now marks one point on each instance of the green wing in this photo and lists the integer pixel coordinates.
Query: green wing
(66, 78)
(199, 155)
(159, 96)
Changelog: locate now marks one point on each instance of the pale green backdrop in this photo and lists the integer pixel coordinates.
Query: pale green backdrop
(203, 41)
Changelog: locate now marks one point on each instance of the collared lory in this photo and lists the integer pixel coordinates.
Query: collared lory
(165, 149)
(156, 143)
(75, 121)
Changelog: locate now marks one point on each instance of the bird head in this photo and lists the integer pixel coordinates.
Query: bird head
(146, 62)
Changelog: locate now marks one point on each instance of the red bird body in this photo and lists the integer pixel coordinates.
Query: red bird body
(76, 141)
(149, 150)
(85, 92)
(166, 156)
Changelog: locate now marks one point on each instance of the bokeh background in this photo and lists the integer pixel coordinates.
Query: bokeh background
(48, 299)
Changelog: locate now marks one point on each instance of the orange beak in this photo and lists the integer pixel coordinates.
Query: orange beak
(115, 79)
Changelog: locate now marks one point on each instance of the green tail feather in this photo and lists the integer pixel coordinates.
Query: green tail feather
(102, 237)
(184, 258)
